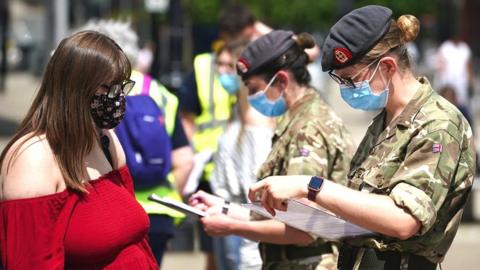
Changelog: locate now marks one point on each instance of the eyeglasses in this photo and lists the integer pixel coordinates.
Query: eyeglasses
(116, 89)
(349, 81)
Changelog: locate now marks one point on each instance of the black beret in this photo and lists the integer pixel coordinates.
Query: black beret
(354, 35)
(263, 51)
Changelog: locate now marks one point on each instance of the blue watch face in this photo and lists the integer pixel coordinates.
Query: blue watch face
(315, 183)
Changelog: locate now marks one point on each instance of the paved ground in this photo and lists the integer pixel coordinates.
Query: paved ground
(464, 253)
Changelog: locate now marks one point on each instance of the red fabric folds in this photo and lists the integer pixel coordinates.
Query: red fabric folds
(103, 229)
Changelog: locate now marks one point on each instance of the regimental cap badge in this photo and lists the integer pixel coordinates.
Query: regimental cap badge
(242, 66)
(342, 55)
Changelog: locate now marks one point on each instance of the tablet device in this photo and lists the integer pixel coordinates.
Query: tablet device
(179, 206)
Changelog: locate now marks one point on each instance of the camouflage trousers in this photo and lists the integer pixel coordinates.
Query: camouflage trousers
(323, 262)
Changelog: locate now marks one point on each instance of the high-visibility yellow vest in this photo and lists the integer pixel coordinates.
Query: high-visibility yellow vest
(169, 104)
(216, 104)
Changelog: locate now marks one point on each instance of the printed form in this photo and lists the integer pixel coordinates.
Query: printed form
(303, 215)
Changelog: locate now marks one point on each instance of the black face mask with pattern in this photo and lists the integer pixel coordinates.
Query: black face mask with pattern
(107, 112)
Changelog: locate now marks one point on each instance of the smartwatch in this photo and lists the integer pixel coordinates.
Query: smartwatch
(314, 187)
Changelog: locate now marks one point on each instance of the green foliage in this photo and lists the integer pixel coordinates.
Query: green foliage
(305, 15)
(299, 14)
(203, 11)
(400, 7)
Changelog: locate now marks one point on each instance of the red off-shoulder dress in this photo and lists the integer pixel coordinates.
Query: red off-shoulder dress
(105, 228)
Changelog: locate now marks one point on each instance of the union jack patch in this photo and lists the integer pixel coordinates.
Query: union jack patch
(437, 148)
(304, 152)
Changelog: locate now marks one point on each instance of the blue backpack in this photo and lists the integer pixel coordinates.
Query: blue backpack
(145, 140)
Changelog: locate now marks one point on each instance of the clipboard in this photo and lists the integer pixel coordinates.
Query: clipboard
(308, 217)
(176, 205)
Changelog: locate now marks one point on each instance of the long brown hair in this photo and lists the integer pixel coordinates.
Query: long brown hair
(61, 109)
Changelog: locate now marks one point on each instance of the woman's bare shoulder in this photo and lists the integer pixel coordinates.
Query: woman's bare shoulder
(30, 170)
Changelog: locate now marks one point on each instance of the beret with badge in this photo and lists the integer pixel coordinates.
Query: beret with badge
(263, 51)
(354, 35)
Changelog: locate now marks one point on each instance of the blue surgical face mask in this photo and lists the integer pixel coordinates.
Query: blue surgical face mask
(229, 82)
(262, 104)
(361, 97)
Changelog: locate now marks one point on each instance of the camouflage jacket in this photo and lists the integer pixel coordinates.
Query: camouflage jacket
(424, 160)
(309, 140)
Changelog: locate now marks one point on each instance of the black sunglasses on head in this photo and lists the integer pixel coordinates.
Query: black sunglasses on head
(116, 89)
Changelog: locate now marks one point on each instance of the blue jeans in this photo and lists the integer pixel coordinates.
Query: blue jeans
(227, 252)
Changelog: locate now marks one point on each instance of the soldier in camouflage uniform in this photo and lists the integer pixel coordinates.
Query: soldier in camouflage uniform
(424, 161)
(309, 139)
(414, 168)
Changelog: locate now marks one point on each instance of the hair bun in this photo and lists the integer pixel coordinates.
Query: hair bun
(410, 27)
(305, 40)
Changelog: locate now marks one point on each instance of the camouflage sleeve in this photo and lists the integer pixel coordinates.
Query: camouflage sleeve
(425, 175)
(307, 154)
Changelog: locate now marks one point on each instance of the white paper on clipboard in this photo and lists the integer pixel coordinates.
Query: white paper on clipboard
(308, 218)
(179, 206)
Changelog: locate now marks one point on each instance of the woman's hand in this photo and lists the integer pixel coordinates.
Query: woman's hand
(274, 191)
(218, 224)
(203, 200)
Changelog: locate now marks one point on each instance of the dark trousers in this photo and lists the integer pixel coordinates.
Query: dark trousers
(161, 230)
(380, 260)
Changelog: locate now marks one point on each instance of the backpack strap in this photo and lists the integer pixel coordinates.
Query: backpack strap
(147, 80)
(105, 142)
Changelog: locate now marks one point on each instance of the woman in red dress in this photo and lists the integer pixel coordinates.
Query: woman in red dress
(66, 194)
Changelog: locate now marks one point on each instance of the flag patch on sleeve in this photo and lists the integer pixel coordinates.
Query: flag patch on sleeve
(437, 148)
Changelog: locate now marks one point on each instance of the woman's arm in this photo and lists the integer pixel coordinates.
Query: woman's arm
(30, 234)
(30, 170)
(268, 231)
(415, 194)
(375, 212)
(237, 221)
(182, 165)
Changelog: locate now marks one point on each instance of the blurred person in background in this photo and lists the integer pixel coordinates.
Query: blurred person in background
(66, 193)
(413, 171)
(207, 97)
(241, 150)
(449, 93)
(309, 138)
(455, 68)
(237, 21)
(162, 219)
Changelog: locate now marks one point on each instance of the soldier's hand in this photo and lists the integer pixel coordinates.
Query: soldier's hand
(218, 224)
(274, 191)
